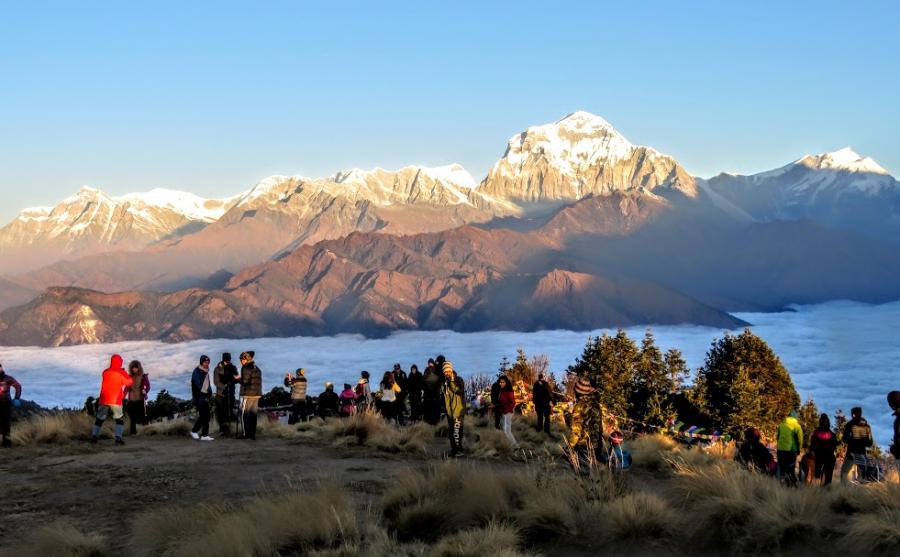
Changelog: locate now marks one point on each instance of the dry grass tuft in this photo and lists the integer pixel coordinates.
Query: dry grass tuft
(59, 540)
(262, 526)
(60, 427)
(875, 533)
(641, 517)
(494, 539)
(652, 452)
(171, 428)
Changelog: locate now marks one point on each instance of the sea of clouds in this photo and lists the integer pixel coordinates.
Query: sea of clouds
(843, 354)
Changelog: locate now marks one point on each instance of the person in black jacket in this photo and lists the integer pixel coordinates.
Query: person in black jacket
(858, 438)
(823, 443)
(431, 394)
(894, 402)
(414, 385)
(201, 392)
(329, 405)
(495, 403)
(540, 395)
(225, 376)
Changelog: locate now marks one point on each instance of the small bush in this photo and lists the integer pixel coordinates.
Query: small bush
(641, 517)
(59, 540)
(172, 428)
(494, 540)
(875, 533)
(55, 428)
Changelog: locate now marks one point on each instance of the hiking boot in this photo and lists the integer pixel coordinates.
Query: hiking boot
(195, 435)
(207, 438)
(120, 441)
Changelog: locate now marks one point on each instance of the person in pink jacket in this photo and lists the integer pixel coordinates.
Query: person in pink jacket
(7, 384)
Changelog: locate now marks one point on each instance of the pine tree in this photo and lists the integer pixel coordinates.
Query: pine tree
(609, 363)
(521, 369)
(677, 370)
(504, 366)
(745, 385)
(809, 419)
(840, 422)
(652, 386)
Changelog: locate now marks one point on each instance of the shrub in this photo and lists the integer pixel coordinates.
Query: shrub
(60, 427)
(494, 539)
(59, 540)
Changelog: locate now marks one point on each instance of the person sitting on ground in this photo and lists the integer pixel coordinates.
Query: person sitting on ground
(137, 395)
(388, 402)
(112, 394)
(225, 377)
(201, 392)
(251, 393)
(8, 383)
(788, 444)
(506, 403)
(858, 438)
(754, 454)
(823, 443)
(297, 384)
(540, 396)
(329, 402)
(347, 401)
(894, 402)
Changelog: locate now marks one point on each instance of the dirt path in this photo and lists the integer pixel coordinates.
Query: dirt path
(105, 486)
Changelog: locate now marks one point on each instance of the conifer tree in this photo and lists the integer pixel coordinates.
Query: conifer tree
(609, 363)
(652, 386)
(808, 418)
(745, 385)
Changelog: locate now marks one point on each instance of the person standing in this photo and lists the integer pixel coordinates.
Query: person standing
(112, 393)
(347, 401)
(225, 377)
(402, 394)
(364, 392)
(201, 392)
(415, 386)
(894, 402)
(858, 438)
(507, 406)
(823, 443)
(390, 395)
(431, 394)
(540, 395)
(137, 395)
(495, 403)
(7, 384)
(788, 444)
(297, 385)
(329, 403)
(454, 395)
(251, 392)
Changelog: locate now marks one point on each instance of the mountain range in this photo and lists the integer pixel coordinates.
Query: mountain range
(574, 227)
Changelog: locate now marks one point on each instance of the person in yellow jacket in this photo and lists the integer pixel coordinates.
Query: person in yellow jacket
(454, 391)
(788, 443)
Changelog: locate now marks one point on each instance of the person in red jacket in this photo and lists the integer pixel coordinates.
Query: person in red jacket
(112, 393)
(7, 384)
(507, 406)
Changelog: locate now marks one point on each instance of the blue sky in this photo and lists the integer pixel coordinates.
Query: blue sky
(212, 96)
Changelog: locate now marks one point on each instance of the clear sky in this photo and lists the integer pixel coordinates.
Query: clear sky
(212, 96)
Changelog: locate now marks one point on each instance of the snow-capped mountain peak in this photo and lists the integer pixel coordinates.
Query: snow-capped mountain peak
(843, 159)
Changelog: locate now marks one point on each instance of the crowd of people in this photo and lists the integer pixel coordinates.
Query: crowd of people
(400, 397)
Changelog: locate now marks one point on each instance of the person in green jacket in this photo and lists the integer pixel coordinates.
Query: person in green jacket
(454, 395)
(788, 444)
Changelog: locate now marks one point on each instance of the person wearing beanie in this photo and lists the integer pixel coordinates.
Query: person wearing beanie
(201, 392)
(858, 438)
(297, 384)
(225, 377)
(112, 394)
(431, 393)
(329, 402)
(894, 402)
(8, 384)
(788, 442)
(251, 392)
(454, 395)
(347, 401)
(136, 395)
(578, 436)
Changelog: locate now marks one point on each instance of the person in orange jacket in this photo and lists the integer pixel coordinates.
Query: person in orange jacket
(112, 394)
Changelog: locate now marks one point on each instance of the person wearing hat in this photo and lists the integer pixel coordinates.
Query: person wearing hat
(112, 394)
(858, 438)
(7, 384)
(251, 392)
(431, 393)
(201, 392)
(578, 436)
(894, 402)
(225, 377)
(454, 395)
(347, 401)
(297, 384)
(788, 442)
(329, 402)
